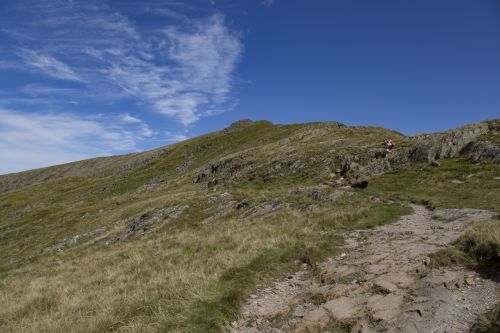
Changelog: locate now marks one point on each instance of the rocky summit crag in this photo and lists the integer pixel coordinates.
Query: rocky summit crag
(177, 239)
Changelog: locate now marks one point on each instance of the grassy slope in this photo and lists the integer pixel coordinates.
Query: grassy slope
(188, 276)
(437, 186)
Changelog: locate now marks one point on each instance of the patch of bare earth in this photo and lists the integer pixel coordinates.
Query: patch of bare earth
(380, 282)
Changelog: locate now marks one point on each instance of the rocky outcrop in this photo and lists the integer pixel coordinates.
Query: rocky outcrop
(482, 150)
(425, 148)
(223, 170)
(238, 126)
(345, 153)
(346, 163)
(140, 225)
(436, 146)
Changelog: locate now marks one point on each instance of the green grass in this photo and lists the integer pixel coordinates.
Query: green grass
(478, 247)
(185, 278)
(188, 276)
(433, 186)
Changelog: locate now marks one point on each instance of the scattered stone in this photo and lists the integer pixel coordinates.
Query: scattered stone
(470, 281)
(400, 279)
(385, 286)
(338, 290)
(345, 309)
(382, 281)
(385, 308)
(263, 209)
(435, 163)
(447, 279)
(313, 322)
(331, 197)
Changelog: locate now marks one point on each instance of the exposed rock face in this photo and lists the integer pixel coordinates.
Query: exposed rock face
(437, 146)
(224, 169)
(481, 150)
(353, 168)
(427, 148)
(139, 225)
(238, 126)
(381, 282)
(264, 209)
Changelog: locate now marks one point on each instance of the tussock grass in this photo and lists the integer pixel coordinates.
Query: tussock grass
(478, 247)
(482, 241)
(184, 278)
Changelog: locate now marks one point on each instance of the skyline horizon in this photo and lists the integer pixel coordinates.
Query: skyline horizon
(227, 125)
(80, 79)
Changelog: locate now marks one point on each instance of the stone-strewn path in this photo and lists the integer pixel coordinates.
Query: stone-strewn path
(380, 282)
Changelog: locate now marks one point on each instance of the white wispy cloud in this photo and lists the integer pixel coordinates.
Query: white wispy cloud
(31, 140)
(127, 118)
(198, 78)
(183, 69)
(48, 65)
(91, 53)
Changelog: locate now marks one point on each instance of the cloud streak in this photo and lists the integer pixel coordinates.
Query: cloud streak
(91, 74)
(184, 69)
(36, 140)
(48, 65)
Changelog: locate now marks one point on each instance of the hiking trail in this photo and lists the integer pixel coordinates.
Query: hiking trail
(380, 281)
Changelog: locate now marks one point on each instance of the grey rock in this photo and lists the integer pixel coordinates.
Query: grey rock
(263, 209)
(435, 163)
(481, 150)
(238, 126)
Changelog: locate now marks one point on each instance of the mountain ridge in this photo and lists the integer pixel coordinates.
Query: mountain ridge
(134, 160)
(175, 239)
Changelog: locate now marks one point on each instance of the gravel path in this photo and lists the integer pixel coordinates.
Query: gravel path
(380, 282)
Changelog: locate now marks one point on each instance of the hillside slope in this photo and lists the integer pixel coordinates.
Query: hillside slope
(175, 238)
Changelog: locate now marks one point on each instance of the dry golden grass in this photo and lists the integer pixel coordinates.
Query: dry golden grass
(188, 276)
(180, 279)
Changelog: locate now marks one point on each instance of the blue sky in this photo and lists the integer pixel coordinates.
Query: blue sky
(89, 78)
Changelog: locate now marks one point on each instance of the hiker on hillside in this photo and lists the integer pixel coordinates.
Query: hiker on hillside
(389, 145)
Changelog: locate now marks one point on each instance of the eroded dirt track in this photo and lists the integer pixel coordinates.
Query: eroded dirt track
(380, 282)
